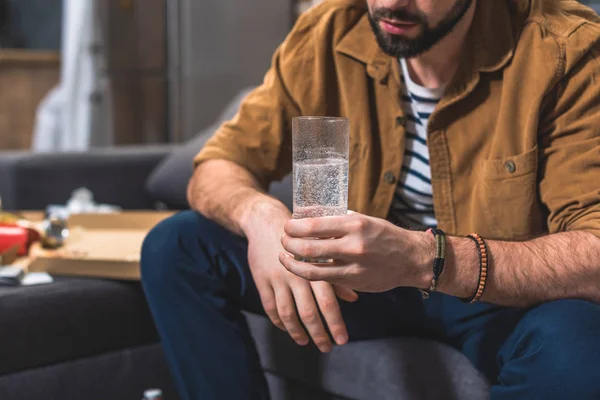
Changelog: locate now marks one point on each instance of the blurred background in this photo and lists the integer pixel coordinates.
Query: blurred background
(78, 74)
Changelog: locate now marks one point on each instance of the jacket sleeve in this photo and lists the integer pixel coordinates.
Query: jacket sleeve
(570, 150)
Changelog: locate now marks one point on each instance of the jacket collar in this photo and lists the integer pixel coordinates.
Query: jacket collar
(489, 44)
(360, 44)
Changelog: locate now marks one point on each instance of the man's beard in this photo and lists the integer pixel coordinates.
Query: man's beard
(401, 47)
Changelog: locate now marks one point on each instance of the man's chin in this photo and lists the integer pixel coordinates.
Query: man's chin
(400, 48)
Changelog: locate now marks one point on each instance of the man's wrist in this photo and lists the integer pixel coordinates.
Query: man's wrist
(260, 209)
(459, 277)
(424, 259)
(461, 270)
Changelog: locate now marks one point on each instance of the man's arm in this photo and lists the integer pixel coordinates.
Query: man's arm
(373, 255)
(558, 266)
(229, 194)
(565, 263)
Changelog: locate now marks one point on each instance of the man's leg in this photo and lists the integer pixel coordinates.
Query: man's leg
(397, 313)
(196, 277)
(549, 351)
(552, 353)
(197, 280)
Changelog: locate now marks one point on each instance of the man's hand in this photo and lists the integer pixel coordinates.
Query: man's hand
(286, 298)
(369, 254)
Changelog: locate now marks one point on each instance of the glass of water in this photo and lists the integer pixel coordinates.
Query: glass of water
(320, 147)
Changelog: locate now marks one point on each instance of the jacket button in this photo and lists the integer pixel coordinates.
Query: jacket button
(400, 121)
(510, 166)
(389, 177)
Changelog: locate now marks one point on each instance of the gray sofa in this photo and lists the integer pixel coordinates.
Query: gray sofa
(94, 339)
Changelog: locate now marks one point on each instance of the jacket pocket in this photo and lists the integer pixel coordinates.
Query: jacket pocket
(508, 189)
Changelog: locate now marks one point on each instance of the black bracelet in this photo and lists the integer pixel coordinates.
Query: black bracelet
(438, 261)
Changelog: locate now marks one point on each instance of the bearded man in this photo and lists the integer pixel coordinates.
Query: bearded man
(475, 186)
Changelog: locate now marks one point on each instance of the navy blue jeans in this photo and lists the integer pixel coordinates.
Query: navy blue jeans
(197, 281)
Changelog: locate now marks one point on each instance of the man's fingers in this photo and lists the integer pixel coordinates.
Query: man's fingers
(286, 308)
(345, 293)
(325, 227)
(324, 249)
(310, 272)
(267, 297)
(309, 314)
(330, 309)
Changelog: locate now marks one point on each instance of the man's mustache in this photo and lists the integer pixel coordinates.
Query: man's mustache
(398, 15)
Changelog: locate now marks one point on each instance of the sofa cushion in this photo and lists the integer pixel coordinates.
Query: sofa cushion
(70, 319)
(119, 375)
(391, 368)
(168, 181)
(116, 175)
(78, 318)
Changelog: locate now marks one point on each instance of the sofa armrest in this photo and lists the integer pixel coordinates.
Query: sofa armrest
(31, 181)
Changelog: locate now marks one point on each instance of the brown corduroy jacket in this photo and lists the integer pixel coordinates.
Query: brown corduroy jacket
(514, 143)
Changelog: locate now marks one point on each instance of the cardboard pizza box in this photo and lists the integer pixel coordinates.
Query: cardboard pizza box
(99, 245)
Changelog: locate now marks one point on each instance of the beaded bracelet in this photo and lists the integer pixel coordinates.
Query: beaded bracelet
(482, 250)
(438, 261)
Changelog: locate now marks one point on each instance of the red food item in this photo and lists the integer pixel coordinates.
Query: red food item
(14, 235)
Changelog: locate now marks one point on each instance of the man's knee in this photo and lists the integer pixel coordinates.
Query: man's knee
(559, 343)
(172, 245)
(562, 322)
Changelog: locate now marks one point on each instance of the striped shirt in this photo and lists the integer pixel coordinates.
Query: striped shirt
(413, 201)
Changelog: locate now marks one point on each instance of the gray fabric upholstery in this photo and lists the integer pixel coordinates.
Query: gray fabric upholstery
(119, 375)
(168, 182)
(70, 319)
(395, 368)
(115, 175)
(81, 335)
(283, 191)
(289, 389)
